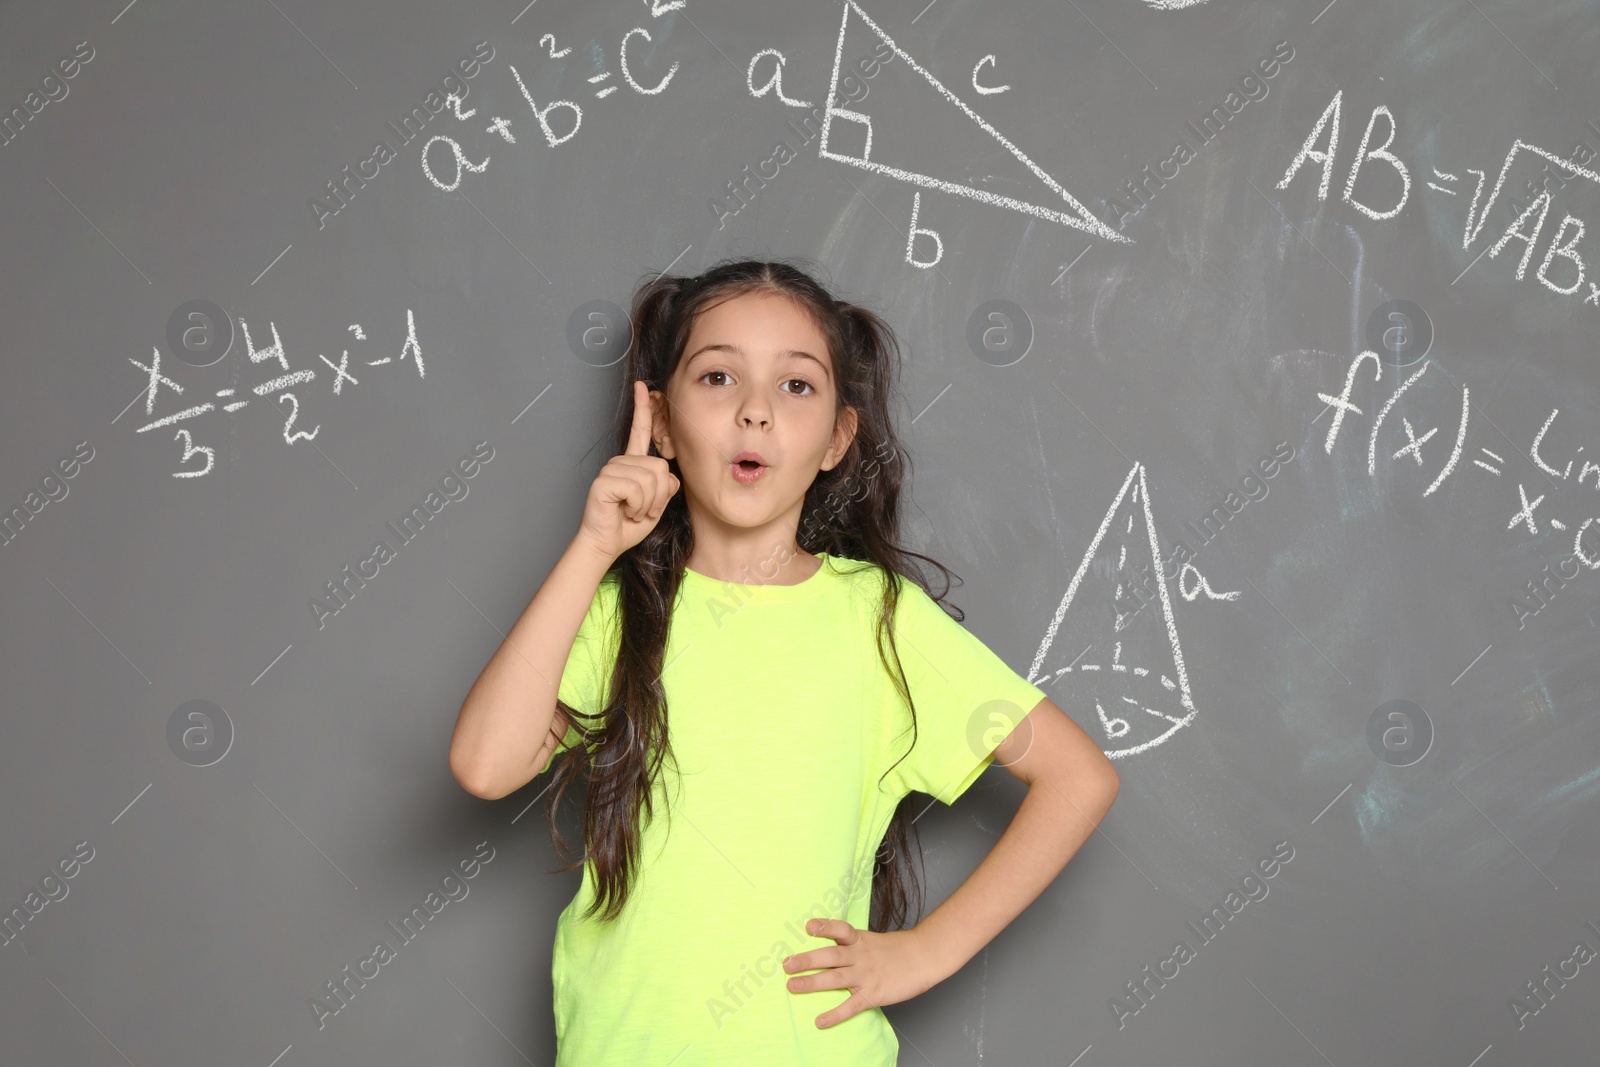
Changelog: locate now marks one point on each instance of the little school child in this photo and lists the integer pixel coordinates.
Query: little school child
(734, 651)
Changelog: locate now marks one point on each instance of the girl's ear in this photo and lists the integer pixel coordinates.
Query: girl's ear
(661, 432)
(844, 432)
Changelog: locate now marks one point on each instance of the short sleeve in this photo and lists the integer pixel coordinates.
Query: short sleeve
(967, 700)
(586, 677)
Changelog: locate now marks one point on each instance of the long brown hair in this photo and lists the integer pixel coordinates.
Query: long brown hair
(851, 511)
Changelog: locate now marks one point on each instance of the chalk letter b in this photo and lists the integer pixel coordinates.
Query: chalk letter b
(911, 238)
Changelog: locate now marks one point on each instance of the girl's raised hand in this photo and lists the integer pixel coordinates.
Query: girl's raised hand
(631, 491)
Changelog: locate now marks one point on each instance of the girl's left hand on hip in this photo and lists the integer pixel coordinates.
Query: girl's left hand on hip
(877, 968)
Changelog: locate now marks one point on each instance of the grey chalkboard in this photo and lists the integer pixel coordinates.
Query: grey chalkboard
(1252, 387)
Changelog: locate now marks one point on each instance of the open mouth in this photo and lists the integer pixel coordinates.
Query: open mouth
(747, 471)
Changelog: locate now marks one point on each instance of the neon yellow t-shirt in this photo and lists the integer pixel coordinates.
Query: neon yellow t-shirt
(782, 719)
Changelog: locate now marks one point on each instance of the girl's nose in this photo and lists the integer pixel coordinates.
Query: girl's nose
(756, 411)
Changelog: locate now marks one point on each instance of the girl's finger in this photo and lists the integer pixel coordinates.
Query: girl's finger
(856, 1004)
(627, 490)
(638, 484)
(639, 435)
(837, 929)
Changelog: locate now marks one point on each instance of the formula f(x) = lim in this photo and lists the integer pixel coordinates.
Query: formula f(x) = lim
(1078, 217)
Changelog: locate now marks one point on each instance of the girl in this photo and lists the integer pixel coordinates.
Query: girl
(758, 830)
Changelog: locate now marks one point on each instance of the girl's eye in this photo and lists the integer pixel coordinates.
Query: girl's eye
(805, 385)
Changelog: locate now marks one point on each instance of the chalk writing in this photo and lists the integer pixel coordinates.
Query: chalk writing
(1525, 513)
(156, 380)
(559, 119)
(1079, 217)
(1152, 718)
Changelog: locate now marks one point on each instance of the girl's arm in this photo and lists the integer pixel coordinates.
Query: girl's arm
(508, 726)
(505, 730)
(1071, 785)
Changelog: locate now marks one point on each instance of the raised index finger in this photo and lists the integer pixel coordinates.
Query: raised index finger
(639, 436)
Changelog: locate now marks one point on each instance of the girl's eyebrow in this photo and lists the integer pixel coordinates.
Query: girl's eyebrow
(736, 350)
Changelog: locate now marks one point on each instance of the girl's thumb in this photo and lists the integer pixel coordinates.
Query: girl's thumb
(675, 482)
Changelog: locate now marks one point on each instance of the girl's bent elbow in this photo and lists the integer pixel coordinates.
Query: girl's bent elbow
(484, 791)
(1111, 774)
(486, 787)
(1113, 785)
(470, 779)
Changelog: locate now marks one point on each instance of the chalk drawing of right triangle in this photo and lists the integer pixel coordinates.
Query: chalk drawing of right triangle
(1130, 679)
(1078, 217)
